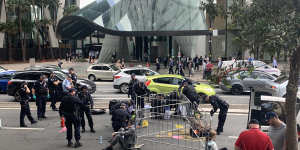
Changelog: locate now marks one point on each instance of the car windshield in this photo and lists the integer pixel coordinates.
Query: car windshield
(60, 75)
(114, 67)
(281, 79)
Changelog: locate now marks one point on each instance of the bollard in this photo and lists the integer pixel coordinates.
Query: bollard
(0, 124)
(100, 139)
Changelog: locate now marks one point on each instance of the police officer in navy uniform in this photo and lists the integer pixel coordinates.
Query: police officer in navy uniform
(73, 76)
(53, 90)
(140, 89)
(120, 117)
(190, 92)
(40, 93)
(131, 85)
(70, 109)
(218, 103)
(87, 100)
(25, 109)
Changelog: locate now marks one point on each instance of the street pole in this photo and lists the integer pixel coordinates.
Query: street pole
(226, 30)
(210, 39)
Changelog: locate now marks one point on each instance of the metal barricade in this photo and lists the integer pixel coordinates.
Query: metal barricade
(167, 121)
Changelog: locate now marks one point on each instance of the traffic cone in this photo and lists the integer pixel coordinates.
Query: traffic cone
(62, 122)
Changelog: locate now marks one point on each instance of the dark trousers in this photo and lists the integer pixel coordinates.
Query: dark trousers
(25, 111)
(53, 97)
(41, 102)
(222, 118)
(88, 116)
(140, 102)
(171, 70)
(119, 139)
(70, 122)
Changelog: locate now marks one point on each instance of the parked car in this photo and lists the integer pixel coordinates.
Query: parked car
(5, 76)
(169, 83)
(258, 65)
(32, 76)
(101, 72)
(123, 77)
(49, 67)
(240, 82)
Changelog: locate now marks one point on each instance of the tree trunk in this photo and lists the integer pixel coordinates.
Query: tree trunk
(39, 45)
(21, 40)
(291, 99)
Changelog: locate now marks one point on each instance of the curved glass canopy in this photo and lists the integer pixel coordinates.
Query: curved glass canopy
(135, 18)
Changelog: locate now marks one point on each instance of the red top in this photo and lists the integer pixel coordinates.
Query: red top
(254, 139)
(209, 66)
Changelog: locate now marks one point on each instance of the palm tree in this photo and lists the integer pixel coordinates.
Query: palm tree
(11, 29)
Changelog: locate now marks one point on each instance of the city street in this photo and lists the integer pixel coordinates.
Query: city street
(45, 135)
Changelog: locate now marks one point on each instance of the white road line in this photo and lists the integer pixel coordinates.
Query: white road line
(232, 137)
(110, 98)
(15, 128)
(113, 95)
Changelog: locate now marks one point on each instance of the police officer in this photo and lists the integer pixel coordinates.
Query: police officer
(87, 100)
(25, 109)
(171, 65)
(53, 90)
(140, 89)
(120, 117)
(40, 93)
(190, 92)
(70, 109)
(218, 103)
(73, 76)
(131, 91)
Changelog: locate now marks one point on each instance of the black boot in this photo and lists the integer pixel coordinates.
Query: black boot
(77, 144)
(70, 143)
(92, 130)
(83, 130)
(33, 122)
(23, 125)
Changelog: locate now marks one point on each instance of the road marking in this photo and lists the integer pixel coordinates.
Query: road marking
(232, 137)
(112, 95)
(108, 98)
(16, 128)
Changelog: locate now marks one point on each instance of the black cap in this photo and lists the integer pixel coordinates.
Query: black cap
(271, 115)
(254, 121)
(72, 90)
(84, 87)
(71, 69)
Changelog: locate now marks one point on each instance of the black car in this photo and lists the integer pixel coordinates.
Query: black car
(31, 76)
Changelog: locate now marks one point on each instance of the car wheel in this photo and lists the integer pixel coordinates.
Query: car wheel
(237, 90)
(92, 78)
(17, 96)
(124, 88)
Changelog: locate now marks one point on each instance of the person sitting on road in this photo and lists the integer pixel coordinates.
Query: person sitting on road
(125, 137)
(253, 139)
(120, 117)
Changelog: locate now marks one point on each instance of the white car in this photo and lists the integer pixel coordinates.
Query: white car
(123, 77)
(259, 65)
(101, 72)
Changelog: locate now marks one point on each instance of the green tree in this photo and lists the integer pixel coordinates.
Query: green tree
(273, 26)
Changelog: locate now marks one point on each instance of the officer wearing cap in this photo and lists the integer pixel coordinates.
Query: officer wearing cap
(40, 93)
(70, 109)
(218, 103)
(120, 117)
(131, 84)
(87, 100)
(73, 76)
(25, 109)
(190, 92)
(53, 90)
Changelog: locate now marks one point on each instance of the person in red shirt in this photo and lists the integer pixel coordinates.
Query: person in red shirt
(209, 68)
(253, 139)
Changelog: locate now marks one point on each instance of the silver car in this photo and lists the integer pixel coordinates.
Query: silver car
(242, 81)
(278, 87)
(101, 72)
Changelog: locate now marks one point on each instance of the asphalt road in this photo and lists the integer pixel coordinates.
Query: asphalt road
(45, 135)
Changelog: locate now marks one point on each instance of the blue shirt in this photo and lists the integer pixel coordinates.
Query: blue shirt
(65, 85)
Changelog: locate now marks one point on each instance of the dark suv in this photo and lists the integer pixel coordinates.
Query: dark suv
(32, 76)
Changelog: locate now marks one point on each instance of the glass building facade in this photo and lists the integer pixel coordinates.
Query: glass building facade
(138, 21)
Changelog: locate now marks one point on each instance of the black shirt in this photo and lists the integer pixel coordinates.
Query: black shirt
(41, 88)
(190, 92)
(51, 81)
(218, 103)
(86, 99)
(24, 96)
(141, 89)
(70, 106)
(131, 85)
(74, 78)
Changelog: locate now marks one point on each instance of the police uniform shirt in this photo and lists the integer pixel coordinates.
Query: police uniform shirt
(86, 99)
(51, 81)
(217, 103)
(140, 88)
(41, 88)
(190, 92)
(24, 96)
(74, 77)
(70, 105)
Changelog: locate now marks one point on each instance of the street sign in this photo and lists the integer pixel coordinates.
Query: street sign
(215, 32)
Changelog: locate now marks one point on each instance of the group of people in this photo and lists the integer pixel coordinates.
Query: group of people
(120, 63)
(254, 138)
(75, 103)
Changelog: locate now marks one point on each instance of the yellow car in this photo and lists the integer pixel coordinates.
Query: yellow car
(169, 83)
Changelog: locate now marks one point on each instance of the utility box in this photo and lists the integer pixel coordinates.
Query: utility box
(32, 62)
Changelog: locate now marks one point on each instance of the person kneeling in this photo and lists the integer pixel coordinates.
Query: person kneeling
(124, 137)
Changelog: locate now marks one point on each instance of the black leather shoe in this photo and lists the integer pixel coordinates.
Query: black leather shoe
(23, 125)
(218, 132)
(44, 117)
(83, 130)
(33, 122)
(70, 143)
(77, 144)
(93, 131)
